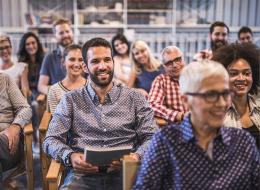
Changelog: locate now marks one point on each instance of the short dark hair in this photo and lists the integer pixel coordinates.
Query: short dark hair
(226, 55)
(244, 29)
(59, 22)
(217, 23)
(94, 42)
(123, 39)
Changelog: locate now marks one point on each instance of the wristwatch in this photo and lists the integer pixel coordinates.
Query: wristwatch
(67, 160)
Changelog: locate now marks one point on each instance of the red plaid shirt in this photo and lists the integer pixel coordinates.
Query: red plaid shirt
(165, 99)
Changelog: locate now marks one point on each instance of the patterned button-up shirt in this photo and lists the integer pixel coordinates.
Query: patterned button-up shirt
(165, 99)
(174, 160)
(124, 119)
(14, 108)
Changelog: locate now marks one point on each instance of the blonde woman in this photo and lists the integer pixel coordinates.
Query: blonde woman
(144, 67)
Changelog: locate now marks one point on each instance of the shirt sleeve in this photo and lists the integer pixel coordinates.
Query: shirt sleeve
(22, 110)
(154, 166)
(55, 143)
(156, 99)
(145, 124)
(45, 68)
(52, 98)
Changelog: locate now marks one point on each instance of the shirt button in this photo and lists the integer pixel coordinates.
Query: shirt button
(105, 130)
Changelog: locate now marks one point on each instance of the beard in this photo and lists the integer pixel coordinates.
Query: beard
(101, 83)
(217, 44)
(65, 42)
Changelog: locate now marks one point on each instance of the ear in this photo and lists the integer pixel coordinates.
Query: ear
(185, 100)
(85, 68)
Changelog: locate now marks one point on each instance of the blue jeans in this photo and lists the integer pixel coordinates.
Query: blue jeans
(98, 181)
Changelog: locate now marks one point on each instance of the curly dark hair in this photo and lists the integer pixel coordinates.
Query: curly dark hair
(226, 55)
(23, 55)
(123, 39)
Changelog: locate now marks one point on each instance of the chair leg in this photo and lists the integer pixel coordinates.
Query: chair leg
(29, 161)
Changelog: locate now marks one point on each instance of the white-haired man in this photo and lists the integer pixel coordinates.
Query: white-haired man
(164, 96)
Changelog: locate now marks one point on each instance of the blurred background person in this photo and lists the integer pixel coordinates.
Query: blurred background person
(242, 64)
(218, 34)
(73, 62)
(121, 48)
(31, 53)
(18, 71)
(245, 35)
(145, 67)
(52, 70)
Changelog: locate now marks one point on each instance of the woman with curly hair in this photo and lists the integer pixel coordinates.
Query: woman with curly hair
(242, 64)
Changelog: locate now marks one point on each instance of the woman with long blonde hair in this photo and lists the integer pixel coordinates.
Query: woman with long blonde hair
(145, 67)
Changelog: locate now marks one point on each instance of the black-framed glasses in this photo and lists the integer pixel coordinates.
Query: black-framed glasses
(5, 47)
(177, 60)
(213, 96)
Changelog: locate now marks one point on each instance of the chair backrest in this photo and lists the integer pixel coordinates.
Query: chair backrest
(130, 168)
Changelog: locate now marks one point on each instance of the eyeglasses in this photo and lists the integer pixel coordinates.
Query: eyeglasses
(177, 60)
(213, 96)
(5, 47)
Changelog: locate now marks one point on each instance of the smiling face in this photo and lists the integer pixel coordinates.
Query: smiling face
(218, 37)
(141, 55)
(173, 63)
(241, 79)
(74, 63)
(5, 51)
(205, 114)
(31, 45)
(245, 37)
(120, 47)
(63, 34)
(100, 65)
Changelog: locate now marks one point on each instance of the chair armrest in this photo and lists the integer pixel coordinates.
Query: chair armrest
(28, 129)
(54, 175)
(45, 121)
(161, 121)
(130, 168)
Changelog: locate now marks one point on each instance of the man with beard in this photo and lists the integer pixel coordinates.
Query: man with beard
(218, 37)
(102, 115)
(164, 96)
(52, 70)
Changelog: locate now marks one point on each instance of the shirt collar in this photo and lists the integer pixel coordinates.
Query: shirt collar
(111, 96)
(252, 106)
(188, 134)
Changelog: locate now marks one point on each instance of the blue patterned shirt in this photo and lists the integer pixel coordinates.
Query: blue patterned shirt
(174, 160)
(125, 119)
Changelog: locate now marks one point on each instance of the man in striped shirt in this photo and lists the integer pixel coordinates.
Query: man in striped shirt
(164, 96)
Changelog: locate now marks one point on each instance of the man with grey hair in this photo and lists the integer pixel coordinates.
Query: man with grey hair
(164, 96)
(200, 153)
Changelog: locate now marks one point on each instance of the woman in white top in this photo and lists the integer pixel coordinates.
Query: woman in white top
(73, 62)
(121, 58)
(18, 71)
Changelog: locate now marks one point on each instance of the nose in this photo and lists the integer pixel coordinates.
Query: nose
(222, 102)
(241, 76)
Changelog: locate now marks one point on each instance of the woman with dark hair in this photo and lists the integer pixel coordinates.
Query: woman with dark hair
(121, 48)
(73, 62)
(31, 52)
(242, 64)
